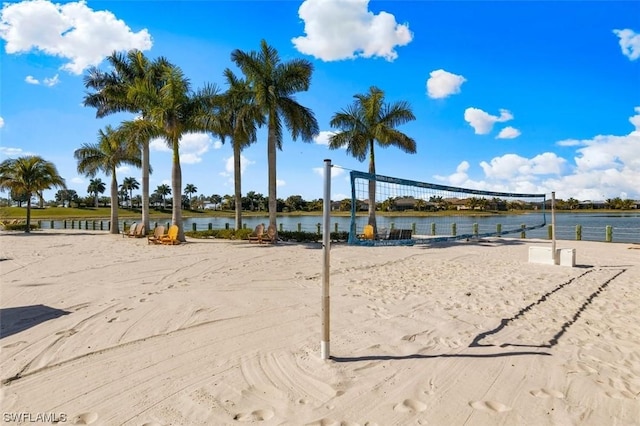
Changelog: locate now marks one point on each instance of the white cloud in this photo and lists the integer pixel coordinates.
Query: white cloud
(12, 152)
(244, 163)
(629, 43)
(31, 80)
(51, 81)
(442, 84)
(605, 166)
(323, 137)
(569, 142)
(635, 119)
(280, 182)
(508, 133)
(482, 122)
(343, 29)
(72, 31)
(217, 144)
(77, 180)
(1, 122)
(335, 171)
(192, 147)
(510, 165)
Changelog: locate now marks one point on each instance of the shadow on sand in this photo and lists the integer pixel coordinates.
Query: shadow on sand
(15, 320)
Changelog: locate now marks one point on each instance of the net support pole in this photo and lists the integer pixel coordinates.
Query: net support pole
(326, 241)
(553, 228)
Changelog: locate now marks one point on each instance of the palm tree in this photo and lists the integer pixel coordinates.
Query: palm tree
(29, 175)
(368, 120)
(129, 184)
(106, 156)
(238, 119)
(96, 186)
(216, 200)
(178, 111)
(274, 84)
(189, 190)
(112, 94)
(163, 190)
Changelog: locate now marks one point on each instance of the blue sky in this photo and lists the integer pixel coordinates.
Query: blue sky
(508, 96)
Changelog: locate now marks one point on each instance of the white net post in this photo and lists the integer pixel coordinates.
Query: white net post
(326, 241)
(553, 228)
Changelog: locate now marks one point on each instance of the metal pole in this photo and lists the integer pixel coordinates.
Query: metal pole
(553, 228)
(326, 240)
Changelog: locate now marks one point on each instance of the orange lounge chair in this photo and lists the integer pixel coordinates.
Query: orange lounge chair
(171, 237)
(157, 234)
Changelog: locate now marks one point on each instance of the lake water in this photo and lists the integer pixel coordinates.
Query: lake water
(625, 226)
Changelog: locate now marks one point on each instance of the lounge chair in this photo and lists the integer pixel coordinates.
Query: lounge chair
(157, 234)
(367, 233)
(256, 235)
(141, 232)
(271, 234)
(132, 231)
(171, 237)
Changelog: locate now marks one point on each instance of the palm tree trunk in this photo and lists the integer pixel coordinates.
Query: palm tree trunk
(271, 160)
(176, 180)
(97, 204)
(28, 228)
(372, 190)
(145, 185)
(237, 183)
(115, 228)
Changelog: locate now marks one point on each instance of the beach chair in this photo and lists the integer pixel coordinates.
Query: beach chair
(140, 231)
(270, 236)
(132, 231)
(382, 234)
(367, 233)
(256, 235)
(157, 234)
(171, 236)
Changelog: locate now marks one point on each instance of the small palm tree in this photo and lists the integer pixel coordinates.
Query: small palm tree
(96, 186)
(274, 84)
(189, 190)
(367, 121)
(29, 175)
(129, 184)
(163, 190)
(106, 156)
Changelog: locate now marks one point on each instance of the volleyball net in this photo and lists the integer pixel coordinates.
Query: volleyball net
(393, 211)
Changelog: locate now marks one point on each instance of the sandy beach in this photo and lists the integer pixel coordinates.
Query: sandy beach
(105, 330)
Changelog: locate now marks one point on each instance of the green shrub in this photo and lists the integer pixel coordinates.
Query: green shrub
(243, 234)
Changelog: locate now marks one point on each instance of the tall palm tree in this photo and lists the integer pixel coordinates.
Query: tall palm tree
(189, 190)
(178, 111)
(369, 120)
(238, 118)
(29, 175)
(112, 94)
(163, 190)
(129, 184)
(96, 186)
(274, 84)
(105, 156)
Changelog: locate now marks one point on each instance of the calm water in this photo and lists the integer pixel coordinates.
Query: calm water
(626, 226)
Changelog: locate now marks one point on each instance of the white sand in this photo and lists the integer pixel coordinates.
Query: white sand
(215, 332)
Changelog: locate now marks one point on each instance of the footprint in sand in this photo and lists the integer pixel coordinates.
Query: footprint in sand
(85, 418)
(410, 406)
(114, 319)
(547, 393)
(494, 406)
(13, 345)
(254, 416)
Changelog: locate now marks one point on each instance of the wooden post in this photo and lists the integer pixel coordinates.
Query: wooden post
(454, 229)
(578, 232)
(433, 228)
(609, 233)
